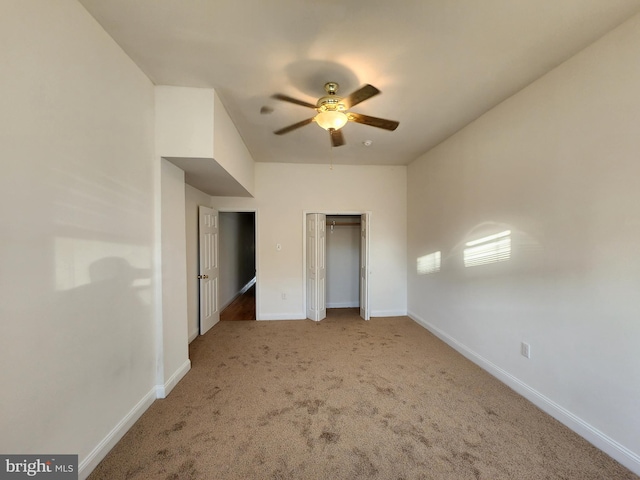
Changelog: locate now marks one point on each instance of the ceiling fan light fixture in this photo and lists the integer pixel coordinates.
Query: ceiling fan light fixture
(331, 119)
(332, 112)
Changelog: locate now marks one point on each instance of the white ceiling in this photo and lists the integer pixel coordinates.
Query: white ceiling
(440, 64)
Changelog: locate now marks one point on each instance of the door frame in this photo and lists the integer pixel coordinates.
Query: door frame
(368, 215)
(257, 250)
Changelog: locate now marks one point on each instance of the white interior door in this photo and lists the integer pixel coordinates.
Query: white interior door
(364, 267)
(209, 268)
(316, 266)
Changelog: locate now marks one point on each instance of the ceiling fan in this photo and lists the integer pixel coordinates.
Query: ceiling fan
(333, 112)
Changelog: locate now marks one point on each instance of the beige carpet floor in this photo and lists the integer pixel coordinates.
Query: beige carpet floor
(345, 399)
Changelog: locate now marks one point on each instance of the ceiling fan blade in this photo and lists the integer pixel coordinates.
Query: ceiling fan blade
(360, 95)
(373, 121)
(288, 129)
(284, 98)
(336, 137)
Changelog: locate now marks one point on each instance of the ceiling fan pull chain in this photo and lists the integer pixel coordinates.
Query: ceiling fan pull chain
(331, 157)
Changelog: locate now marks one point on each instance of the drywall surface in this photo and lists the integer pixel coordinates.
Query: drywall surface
(175, 335)
(78, 343)
(184, 121)
(193, 123)
(557, 165)
(284, 192)
(193, 199)
(229, 149)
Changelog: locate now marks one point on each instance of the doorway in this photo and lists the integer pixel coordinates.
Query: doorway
(336, 263)
(343, 261)
(237, 265)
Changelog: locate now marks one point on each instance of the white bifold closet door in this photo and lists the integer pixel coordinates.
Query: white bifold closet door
(364, 267)
(316, 266)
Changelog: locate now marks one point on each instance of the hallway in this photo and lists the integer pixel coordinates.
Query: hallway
(242, 308)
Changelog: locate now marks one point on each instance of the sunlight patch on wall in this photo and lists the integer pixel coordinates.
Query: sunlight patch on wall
(428, 263)
(490, 249)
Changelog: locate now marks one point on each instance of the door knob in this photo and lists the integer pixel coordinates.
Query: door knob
(203, 276)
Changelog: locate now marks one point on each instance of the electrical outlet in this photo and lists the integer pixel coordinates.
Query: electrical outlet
(525, 350)
(284, 296)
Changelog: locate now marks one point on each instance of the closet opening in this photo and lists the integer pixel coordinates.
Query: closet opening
(343, 261)
(336, 279)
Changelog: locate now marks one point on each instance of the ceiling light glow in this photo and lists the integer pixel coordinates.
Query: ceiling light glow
(330, 119)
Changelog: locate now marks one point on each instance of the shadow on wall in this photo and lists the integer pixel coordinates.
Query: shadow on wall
(79, 346)
(111, 314)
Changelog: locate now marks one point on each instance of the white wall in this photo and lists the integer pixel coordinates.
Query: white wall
(184, 121)
(77, 345)
(193, 198)
(285, 191)
(229, 149)
(173, 347)
(558, 164)
(193, 123)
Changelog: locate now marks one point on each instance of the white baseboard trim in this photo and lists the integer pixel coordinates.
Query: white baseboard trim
(193, 335)
(388, 313)
(163, 390)
(96, 455)
(249, 284)
(600, 440)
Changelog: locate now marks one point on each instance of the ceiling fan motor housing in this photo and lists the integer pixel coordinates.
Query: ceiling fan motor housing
(330, 102)
(326, 104)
